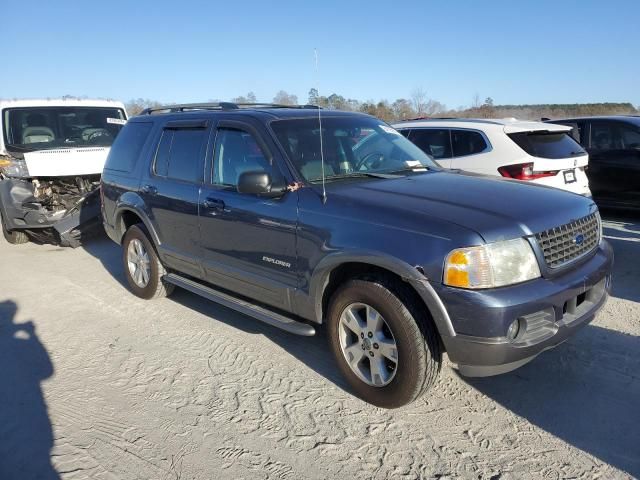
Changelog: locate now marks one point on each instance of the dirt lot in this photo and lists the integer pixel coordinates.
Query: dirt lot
(95, 383)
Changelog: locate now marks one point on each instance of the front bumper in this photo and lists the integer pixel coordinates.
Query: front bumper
(20, 212)
(549, 311)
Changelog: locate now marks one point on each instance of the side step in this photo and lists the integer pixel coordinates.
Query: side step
(259, 313)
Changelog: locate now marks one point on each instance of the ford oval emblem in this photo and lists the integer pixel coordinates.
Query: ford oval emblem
(579, 239)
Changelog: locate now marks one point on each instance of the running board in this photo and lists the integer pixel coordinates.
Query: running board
(259, 313)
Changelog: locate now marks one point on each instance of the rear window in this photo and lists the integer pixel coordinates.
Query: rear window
(547, 145)
(127, 147)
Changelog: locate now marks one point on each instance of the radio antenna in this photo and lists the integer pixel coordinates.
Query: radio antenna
(324, 191)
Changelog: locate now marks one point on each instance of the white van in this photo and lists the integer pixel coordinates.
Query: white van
(52, 153)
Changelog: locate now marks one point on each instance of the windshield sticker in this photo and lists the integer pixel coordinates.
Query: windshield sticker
(414, 164)
(117, 121)
(390, 130)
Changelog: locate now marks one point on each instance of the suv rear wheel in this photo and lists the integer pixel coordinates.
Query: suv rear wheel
(385, 344)
(142, 267)
(13, 236)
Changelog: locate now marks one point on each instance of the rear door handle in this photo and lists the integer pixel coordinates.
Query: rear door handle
(150, 189)
(214, 203)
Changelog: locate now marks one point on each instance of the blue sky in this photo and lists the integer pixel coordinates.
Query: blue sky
(516, 52)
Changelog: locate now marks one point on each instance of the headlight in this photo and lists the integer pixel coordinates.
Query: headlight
(492, 265)
(13, 167)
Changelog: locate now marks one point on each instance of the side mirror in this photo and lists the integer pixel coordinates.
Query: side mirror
(258, 183)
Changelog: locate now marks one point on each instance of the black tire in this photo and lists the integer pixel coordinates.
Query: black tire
(156, 287)
(418, 345)
(14, 237)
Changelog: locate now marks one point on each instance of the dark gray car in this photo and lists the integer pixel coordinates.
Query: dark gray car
(290, 216)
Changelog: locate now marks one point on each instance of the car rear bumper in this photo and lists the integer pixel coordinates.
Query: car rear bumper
(549, 310)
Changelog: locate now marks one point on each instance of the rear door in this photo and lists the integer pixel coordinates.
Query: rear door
(171, 192)
(614, 169)
(435, 142)
(248, 242)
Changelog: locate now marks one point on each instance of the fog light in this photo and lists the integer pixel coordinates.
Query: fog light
(514, 329)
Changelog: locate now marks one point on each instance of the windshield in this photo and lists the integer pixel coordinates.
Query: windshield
(547, 145)
(352, 146)
(39, 128)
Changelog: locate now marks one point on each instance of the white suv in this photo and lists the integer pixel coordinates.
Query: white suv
(523, 150)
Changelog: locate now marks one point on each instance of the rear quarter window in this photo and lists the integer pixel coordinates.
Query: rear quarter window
(547, 145)
(467, 142)
(127, 146)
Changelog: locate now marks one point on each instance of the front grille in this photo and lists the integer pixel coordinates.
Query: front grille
(565, 243)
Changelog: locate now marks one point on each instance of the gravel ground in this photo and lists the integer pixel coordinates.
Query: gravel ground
(95, 383)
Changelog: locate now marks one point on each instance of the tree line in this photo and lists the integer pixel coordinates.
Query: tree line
(420, 105)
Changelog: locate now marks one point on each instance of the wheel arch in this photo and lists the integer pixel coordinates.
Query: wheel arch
(333, 271)
(127, 215)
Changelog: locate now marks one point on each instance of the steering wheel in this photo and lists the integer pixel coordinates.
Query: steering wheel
(97, 134)
(370, 161)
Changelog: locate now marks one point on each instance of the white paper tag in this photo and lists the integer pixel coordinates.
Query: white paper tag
(415, 165)
(117, 121)
(387, 129)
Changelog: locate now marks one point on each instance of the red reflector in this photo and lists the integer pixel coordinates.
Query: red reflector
(524, 171)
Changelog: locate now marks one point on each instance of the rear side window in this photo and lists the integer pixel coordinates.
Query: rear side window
(127, 146)
(180, 153)
(547, 145)
(614, 136)
(433, 141)
(467, 142)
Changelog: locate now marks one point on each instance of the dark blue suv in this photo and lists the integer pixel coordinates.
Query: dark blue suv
(300, 217)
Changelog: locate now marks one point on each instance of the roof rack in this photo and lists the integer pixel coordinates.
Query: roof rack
(183, 107)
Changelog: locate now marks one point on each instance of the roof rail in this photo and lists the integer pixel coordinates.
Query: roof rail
(182, 107)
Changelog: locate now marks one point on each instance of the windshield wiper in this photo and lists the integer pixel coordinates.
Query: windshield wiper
(357, 175)
(421, 168)
(20, 148)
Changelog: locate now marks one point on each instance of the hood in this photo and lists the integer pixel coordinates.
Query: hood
(64, 162)
(495, 208)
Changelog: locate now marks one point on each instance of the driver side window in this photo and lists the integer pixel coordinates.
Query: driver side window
(236, 152)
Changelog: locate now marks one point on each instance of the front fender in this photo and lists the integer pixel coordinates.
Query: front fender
(410, 274)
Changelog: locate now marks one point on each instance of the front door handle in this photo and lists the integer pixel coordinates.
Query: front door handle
(150, 189)
(214, 203)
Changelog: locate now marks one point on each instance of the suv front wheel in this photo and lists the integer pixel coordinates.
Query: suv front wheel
(384, 343)
(142, 267)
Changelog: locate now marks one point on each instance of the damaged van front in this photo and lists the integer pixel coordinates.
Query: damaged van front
(52, 153)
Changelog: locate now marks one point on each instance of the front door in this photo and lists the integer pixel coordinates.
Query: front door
(248, 243)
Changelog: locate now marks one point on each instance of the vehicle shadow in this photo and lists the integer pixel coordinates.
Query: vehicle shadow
(311, 351)
(623, 233)
(109, 254)
(26, 435)
(585, 392)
